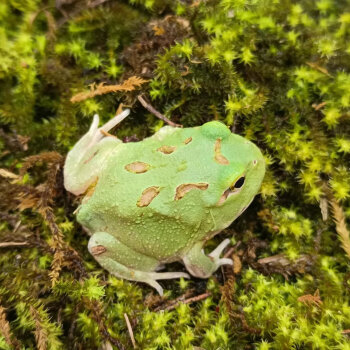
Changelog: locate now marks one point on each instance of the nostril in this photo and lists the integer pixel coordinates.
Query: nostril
(255, 162)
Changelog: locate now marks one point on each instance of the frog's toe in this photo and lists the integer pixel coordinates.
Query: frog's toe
(155, 285)
(223, 261)
(151, 278)
(168, 275)
(219, 249)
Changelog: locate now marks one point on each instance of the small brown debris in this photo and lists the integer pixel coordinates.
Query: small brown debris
(237, 264)
(181, 190)
(98, 250)
(309, 299)
(137, 167)
(319, 106)
(188, 140)
(147, 196)
(158, 30)
(166, 149)
(218, 156)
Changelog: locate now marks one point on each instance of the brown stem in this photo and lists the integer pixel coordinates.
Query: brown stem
(159, 115)
(186, 301)
(13, 244)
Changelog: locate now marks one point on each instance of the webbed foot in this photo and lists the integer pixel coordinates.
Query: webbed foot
(202, 266)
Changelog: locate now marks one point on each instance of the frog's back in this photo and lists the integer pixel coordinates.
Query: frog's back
(153, 188)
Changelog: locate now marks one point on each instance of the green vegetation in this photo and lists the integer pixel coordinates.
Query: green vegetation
(277, 72)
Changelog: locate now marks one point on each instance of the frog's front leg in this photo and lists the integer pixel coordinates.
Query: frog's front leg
(202, 266)
(126, 263)
(86, 159)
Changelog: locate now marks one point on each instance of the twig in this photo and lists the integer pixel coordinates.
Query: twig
(186, 301)
(131, 333)
(13, 244)
(319, 106)
(159, 115)
(168, 303)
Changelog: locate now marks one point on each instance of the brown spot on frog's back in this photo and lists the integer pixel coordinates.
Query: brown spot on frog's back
(188, 140)
(147, 196)
(219, 158)
(98, 250)
(166, 149)
(181, 190)
(137, 167)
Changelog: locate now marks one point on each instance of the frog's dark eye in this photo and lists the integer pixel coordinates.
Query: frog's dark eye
(238, 184)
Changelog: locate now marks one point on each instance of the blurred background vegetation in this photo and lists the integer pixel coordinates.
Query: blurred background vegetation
(275, 71)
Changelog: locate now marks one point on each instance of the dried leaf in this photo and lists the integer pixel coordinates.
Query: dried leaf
(309, 299)
(237, 264)
(128, 85)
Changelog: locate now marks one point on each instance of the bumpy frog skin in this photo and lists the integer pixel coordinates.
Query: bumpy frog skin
(159, 200)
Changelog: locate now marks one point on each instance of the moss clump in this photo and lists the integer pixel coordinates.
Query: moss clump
(277, 72)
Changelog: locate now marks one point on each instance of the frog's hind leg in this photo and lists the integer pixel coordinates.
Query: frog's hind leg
(85, 160)
(126, 263)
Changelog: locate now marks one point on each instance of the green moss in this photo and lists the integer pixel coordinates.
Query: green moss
(276, 72)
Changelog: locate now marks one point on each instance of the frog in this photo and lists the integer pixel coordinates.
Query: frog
(160, 200)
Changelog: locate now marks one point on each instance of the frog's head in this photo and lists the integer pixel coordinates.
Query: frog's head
(239, 171)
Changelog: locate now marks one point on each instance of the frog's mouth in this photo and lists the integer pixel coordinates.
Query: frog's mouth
(235, 188)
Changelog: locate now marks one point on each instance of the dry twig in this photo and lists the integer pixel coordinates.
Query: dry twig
(151, 109)
(13, 244)
(131, 333)
(186, 301)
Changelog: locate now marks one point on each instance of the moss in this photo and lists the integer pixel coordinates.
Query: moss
(276, 72)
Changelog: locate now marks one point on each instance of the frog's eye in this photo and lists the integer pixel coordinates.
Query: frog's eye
(238, 184)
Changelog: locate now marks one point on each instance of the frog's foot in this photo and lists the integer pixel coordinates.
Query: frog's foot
(202, 266)
(124, 262)
(85, 160)
(152, 277)
(95, 134)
